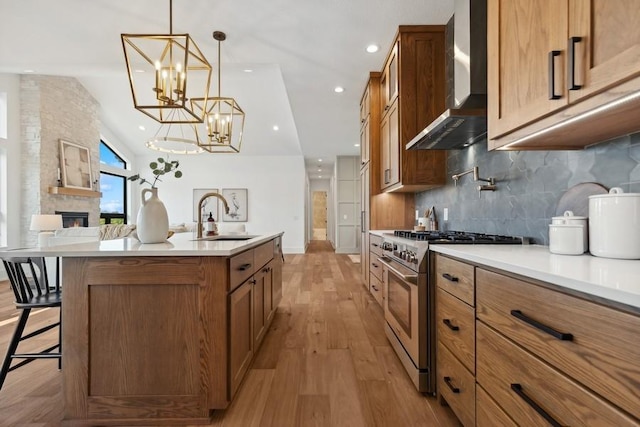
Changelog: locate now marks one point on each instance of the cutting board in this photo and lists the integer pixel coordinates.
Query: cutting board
(576, 198)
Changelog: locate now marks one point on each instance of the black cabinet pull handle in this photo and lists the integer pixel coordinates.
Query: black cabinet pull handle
(517, 388)
(571, 68)
(244, 267)
(253, 281)
(375, 244)
(374, 288)
(552, 74)
(450, 277)
(447, 381)
(450, 325)
(544, 328)
(375, 265)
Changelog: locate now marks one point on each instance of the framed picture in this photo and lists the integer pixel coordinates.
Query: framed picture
(238, 206)
(75, 162)
(209, 205)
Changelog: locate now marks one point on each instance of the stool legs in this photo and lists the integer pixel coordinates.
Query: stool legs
(13, 345)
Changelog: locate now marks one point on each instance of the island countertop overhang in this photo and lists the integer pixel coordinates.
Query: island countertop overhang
(180, 244)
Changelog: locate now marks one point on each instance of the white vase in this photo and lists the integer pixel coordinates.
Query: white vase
(153, 221)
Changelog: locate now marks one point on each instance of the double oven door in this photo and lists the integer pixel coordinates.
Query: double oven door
(405, 308)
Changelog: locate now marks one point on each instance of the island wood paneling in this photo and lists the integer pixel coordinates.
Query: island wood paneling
(142, 329)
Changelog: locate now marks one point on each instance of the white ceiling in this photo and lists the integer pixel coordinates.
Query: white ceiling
(299, 50)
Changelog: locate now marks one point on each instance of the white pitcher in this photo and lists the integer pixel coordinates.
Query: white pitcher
(153, 221)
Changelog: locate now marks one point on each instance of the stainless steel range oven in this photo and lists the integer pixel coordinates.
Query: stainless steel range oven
(409, 308)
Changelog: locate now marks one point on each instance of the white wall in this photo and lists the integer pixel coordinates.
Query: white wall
(275, 184)
(10, 189)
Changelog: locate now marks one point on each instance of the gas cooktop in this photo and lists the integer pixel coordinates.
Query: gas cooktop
(460, 237)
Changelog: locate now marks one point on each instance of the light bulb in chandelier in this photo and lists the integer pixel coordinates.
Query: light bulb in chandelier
(170, 81)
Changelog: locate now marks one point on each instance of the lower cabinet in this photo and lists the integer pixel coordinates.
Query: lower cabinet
(262, 303)
(531, 354)
(240, 339)
(252, 306)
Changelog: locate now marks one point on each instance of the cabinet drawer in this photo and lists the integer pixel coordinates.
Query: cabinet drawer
(241, 267)
(488, 413)
(457, 386)
(375, 245)
(375, 287)
(263, 254)
(456, 327)
(375, 268)
(603, 352)
(455, 277)
(502, 366)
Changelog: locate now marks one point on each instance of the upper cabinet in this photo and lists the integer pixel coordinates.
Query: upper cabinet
(412, 95)
(562, 73)
(369, 113)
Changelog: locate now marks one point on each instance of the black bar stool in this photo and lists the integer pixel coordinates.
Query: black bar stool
(28, 278)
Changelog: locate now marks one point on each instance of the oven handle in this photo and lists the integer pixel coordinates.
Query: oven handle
(410, 278)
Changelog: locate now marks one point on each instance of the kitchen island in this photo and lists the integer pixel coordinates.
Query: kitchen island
(161, 334)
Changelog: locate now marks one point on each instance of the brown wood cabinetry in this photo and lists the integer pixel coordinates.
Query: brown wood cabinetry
(241, 342)
(595, 345)
(455, 327)
(558, 71)
(412, 96)
(379, 211)
(375, 268)
(190, 318)
(537, 352)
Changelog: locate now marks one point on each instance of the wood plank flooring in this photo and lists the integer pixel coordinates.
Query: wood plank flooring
(324, 362)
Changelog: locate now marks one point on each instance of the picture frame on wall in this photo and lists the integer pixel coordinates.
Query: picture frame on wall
(209, 205)
(75, 163)
(237, 198)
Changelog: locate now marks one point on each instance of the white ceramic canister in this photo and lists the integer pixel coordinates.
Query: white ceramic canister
(566, 239)
(614, 224)
(569, 218)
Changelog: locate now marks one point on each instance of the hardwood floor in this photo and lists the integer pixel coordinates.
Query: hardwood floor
(324, 362)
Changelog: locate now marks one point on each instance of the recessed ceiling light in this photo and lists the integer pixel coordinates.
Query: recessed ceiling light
(319, 160)
(338, 89)
(139, 70)
(275, 127)
(141, 127)
(356, 145)
(319, 170)
(29, 71)
(372, 48)
(248, 70)
(319, 176)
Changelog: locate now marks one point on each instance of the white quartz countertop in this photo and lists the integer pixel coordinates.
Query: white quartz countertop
(180, 244)
(611, 279)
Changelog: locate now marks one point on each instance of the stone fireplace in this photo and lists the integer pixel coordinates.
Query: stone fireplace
(43, 124)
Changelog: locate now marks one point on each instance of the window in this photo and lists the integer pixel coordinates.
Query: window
(113, 204)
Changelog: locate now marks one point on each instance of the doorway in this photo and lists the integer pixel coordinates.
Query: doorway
(319, 215)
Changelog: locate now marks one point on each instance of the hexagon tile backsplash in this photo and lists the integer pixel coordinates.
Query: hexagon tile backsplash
(529, 185)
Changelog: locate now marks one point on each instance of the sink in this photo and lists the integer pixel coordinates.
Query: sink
(228, 237)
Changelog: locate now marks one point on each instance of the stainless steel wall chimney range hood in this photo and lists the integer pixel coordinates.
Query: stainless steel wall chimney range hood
(464, 122)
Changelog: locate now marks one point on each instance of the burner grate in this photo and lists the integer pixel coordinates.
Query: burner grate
(460, 237)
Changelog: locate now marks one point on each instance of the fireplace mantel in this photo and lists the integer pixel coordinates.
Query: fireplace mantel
(66, 191)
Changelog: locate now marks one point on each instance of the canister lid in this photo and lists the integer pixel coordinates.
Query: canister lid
(615, 192)
(568, 215)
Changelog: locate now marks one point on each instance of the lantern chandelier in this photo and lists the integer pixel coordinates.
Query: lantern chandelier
(223, 124)
(166, 71)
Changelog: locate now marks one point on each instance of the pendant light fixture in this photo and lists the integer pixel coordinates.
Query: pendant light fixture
(175, 139)
(165, 72)
(223, 124)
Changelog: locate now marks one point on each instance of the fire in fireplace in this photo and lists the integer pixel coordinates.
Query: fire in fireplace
(74, 219)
